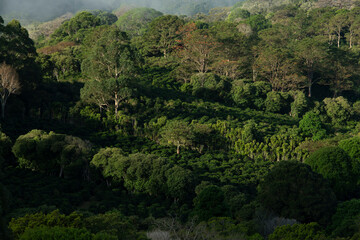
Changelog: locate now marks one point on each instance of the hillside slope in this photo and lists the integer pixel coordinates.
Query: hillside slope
(265, 6)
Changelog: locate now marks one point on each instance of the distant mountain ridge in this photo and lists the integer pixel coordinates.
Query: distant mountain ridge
(265, 6)
(45, 10)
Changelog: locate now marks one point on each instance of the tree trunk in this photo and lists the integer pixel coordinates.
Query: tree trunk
(178, 149)
(3, 103)
(61, 171)
(116, 105)
(310, 82)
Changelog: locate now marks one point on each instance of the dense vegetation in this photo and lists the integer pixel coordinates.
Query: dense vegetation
(229, 125)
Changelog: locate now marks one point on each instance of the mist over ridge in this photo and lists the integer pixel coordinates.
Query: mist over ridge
(44, 10)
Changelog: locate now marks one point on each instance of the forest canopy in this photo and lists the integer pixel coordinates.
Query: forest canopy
(206, 120)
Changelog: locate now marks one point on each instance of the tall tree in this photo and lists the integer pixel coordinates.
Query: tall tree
(354, 27)
(110, 61)
(9, 84)
(340, 75)
(94, 92)
(277, 67)
(108, 54)
(197, 47)
(310, 53)
(161, 36)
(338, 23)
(119, 90)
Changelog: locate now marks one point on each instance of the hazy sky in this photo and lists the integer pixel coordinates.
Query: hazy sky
(49, 9)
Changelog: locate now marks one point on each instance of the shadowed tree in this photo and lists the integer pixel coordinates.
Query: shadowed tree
(335, 165)
(292, 190)
(9, 84)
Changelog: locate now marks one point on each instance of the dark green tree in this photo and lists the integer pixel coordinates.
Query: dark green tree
(210, 202)
(108, 54)
(335, 165)
(292, 190)
(160, 38)
(51, 152)
(345, 220)
(180, 183)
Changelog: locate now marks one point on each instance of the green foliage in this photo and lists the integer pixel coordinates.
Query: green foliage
(338, 109)
(180, 183)
(106, 159)
(51, 152)
(238, 14)
(75, 28)
(210, 202)
(136, 20)
(277, 102)
(298, 232)
(61, 233)
(106, 18)
(345, 219)
(206, 85)
(228, 92)
(161, 35)
(177, 133)
(65, 63)
(205, 80)
(352, 147)
(54, 219)
(247, 94)
(18, 51)
(144, 173)
(258, 22)
(300, 104)
(312, 126)
(108, 54)
(5, 148)
(335, 165)
(113, 225)
(292, 190)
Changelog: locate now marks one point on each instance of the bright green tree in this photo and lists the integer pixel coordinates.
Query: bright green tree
(312, 126)
(338, 109)
(298, 232)
(105, 161)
